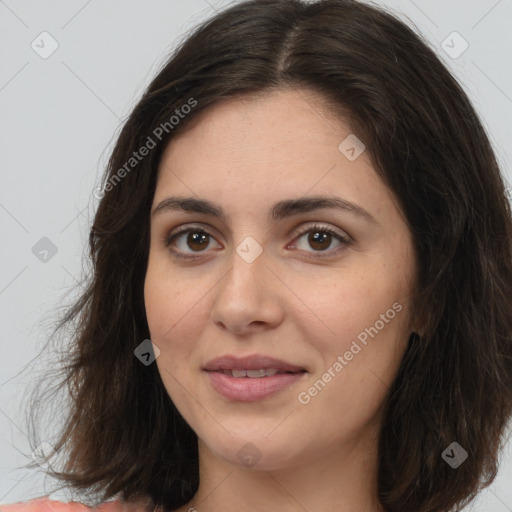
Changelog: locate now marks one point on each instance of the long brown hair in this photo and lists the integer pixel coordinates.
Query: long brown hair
(123, 433)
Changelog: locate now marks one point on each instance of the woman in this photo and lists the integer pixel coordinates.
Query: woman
(302, 281)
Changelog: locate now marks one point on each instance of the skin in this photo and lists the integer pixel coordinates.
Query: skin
(245, 154)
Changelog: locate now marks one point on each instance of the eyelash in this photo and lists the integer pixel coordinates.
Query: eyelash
(345, 240)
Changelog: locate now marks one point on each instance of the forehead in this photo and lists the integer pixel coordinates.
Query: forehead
(281, 144)
(283, 121)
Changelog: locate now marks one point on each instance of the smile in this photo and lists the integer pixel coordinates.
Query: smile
(251, 385)
(251, 377)
(254, 374)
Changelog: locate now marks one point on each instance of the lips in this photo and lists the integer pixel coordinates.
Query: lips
(251, 363)
(251, 378)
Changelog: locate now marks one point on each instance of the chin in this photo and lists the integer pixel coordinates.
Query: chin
(256, 451)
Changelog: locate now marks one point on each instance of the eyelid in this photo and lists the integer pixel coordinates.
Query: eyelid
(168, 239)
(343, 237)
(318, 226)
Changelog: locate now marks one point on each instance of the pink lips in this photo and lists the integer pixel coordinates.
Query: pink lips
(247, 389)
(255, 362)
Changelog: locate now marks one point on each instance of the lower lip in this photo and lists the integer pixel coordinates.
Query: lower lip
(245, 389)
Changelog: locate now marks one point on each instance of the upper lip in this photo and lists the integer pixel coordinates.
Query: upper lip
(255, 362)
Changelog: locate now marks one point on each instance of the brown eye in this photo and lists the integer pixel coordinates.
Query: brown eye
(318, 243)
(197, 241)
(189, 241)
(320, 239)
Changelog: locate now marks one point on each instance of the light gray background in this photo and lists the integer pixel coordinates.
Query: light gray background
(60, 114)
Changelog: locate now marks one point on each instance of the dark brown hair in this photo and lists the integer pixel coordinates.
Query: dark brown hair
(123, 433)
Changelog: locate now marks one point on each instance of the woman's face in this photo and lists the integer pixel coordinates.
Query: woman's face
(264, 271)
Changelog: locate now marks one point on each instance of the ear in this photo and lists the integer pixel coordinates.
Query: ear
(414, 337)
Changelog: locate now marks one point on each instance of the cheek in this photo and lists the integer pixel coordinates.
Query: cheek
(360, 354)
(175, 315)
(335, 312)
(173, 307)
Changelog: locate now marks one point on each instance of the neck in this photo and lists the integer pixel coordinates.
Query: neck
(343, 479)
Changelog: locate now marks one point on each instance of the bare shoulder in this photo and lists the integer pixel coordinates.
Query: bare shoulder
(46, 505)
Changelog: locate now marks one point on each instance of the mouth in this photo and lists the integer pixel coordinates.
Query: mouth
(251, 378)
(253, 366)
(255, 374)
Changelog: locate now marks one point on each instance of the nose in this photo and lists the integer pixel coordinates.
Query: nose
(247, 299)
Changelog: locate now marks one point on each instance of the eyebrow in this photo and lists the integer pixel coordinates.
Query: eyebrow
(278, 211)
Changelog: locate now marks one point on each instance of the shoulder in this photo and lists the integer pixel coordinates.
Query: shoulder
(46, 505)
